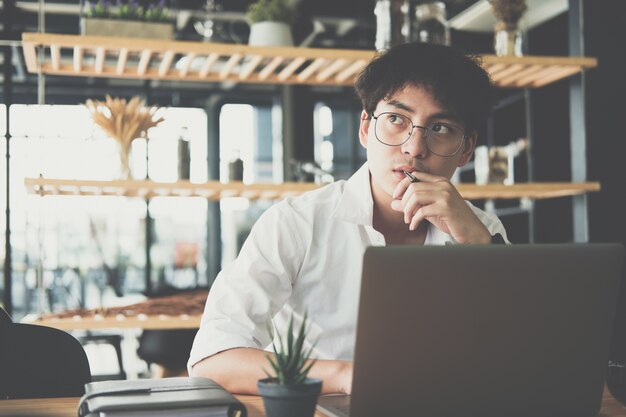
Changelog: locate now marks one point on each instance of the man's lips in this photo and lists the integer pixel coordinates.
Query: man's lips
(406, 168)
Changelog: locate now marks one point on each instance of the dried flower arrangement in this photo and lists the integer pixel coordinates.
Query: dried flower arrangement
(124, 121)
(508, 12)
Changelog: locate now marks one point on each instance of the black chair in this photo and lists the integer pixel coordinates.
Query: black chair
(167, 348)
(113, 340)
(40, 362)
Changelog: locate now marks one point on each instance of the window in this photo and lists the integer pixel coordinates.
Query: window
(87, 251)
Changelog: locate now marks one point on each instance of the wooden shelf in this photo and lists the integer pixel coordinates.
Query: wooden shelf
(214, 190)
(95, 56)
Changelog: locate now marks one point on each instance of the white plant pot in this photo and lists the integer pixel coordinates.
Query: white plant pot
(270, 34)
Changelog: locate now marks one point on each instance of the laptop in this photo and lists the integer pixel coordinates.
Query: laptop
(489, 330)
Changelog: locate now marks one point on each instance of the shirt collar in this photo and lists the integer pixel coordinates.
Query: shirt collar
(356, 204)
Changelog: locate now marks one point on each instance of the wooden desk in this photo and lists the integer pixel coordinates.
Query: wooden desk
(119, 321)
(66, 407)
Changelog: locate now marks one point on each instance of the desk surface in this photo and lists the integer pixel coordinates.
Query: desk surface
(66, 407)
(119, 321)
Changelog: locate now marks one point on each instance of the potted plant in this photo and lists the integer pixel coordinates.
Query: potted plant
(127, 19)
(289, 392)
(270, 22)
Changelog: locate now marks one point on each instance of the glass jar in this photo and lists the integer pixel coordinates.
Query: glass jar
(508, 40)
(431, 25)
(392, 23)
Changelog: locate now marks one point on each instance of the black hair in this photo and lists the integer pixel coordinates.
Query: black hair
(456, 81)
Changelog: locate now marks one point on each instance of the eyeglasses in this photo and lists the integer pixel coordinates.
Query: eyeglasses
(442, 139)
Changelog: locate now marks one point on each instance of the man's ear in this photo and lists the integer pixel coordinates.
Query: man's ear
(364, 126)
(468, 149)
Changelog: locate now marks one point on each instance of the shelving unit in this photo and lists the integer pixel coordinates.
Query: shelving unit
(214, 190)
(94, 56)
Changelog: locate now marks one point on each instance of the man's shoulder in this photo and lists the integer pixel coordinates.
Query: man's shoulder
(325, 197)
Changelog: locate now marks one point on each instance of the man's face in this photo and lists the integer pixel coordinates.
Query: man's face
(386, 162)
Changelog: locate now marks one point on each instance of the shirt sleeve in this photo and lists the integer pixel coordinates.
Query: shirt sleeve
(491, 222)
(251, 290)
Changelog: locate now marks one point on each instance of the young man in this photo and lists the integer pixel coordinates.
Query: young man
(421, 106)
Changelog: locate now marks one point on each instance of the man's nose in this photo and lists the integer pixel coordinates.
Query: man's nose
(416, 144)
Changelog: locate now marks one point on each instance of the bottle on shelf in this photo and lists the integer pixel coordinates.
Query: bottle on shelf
(235, 168)
(184, 155)
(430, 24)
(392, 23)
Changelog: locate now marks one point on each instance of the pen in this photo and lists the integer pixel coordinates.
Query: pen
(410, 176)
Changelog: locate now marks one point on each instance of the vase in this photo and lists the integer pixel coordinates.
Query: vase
(125, 155)
(270, 34)
(508, 40)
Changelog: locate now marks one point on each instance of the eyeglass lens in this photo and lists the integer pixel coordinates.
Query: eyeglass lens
(441, 138)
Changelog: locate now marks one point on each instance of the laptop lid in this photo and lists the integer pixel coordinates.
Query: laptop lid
(493, 330)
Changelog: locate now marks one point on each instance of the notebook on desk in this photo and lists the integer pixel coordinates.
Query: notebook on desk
(494, 330)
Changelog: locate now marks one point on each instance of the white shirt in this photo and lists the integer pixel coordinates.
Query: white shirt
(304, 253)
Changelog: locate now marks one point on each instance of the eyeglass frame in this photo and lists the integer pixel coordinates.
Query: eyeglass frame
(426, 130)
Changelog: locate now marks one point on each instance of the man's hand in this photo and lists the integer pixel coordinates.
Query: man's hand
(435, 199)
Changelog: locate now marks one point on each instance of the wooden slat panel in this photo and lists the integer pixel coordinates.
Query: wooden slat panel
(351, 70)
(250, 67)
(55, 56)
(184, 70)
(560, 74)
(121, 61)
(310, 70)
(230, 64)
(493, 69)
(510, 70)
(270, 68)
(152, 73)
(100, 55)
(144, 61)
(527, 72)
(166, 63)
(332, 69)
(78, 59)
(30, 56)
(291, 68)
(208, 63)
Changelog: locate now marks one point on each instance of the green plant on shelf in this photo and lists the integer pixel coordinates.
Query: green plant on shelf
(156, 11)
(272, 11)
